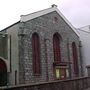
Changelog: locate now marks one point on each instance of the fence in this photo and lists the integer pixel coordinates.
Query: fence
(72, 84)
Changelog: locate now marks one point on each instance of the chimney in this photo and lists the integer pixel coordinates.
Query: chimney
(53, 5)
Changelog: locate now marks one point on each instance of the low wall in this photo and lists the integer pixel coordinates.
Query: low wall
(72, 84)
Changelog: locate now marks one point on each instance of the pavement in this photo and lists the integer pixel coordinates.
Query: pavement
(87, 89)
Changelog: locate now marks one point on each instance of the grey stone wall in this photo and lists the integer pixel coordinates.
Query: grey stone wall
(46, 26)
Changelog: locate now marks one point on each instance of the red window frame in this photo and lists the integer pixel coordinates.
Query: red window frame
(75, 59)
(56, 48)
(36, 53)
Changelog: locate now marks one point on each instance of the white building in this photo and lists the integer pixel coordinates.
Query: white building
(84, 33)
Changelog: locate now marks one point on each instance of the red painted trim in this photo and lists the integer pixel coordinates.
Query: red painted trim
(75, 58)
(36, 53)
(56, 48)
(3, 66)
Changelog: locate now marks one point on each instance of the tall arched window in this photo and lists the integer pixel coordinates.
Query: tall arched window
(56, 48)
(36, 53)
(75, 59)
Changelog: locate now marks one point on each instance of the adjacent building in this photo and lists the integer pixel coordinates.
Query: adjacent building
(84, 34)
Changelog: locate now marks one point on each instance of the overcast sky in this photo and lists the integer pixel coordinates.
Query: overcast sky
(76, 11)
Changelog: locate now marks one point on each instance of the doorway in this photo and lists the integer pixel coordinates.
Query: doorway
(3, 73)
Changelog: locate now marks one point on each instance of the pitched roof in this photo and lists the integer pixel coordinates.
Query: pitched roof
(27, 17)
(9, 26)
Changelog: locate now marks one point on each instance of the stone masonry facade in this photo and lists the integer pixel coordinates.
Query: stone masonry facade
(45, 26)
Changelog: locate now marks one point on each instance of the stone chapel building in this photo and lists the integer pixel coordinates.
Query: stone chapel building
(42, 46)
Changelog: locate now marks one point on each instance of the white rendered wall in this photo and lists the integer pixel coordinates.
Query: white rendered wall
(85, 40)
(13, 32)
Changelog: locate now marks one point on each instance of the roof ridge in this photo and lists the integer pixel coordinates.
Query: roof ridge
(25, 18)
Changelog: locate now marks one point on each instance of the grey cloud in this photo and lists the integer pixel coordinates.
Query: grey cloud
(76, 11)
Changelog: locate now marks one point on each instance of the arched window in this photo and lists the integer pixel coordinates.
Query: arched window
(36, 53)
(3, 73)
(56, 48)
(75, 59)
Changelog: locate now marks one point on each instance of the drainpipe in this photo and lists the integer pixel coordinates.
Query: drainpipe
(10, 52)
(15, 77)
(81, 60)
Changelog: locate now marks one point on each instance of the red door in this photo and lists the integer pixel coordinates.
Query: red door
(3, 73)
